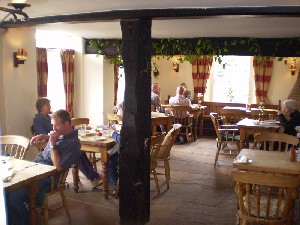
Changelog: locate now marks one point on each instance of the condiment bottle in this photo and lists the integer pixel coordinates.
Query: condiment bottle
(293, 155)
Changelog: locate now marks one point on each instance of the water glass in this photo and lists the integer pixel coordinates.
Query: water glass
(271, 117)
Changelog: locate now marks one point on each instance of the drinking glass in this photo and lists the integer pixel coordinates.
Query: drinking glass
(271, 117)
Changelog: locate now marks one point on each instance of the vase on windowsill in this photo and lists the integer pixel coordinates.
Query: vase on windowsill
(200, 99)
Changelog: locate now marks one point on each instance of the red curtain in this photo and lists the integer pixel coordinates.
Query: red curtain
(67, 59)
(262, 76)
(200, 72)
(42, 71)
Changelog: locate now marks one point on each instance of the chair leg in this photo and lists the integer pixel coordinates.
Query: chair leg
(65, 204)
(217, 154)
(167, 173)
(46, 210)
(156, 181)
(187, 135)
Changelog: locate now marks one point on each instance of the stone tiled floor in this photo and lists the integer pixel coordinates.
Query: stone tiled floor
(199, 193)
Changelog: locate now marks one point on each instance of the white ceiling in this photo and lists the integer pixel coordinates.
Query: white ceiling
(232, 26)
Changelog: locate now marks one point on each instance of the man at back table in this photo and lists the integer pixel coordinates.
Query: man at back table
(62, 150)
(289, 116)
(179, 99)
(155, 98)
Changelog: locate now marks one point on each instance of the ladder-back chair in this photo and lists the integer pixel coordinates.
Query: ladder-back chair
(154, 149)
(182, 116)
(225, 134)
(270, 139)
(14, 145)
(265, 198)
(165, 150)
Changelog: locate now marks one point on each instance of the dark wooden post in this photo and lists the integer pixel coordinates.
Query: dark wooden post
(134, 153)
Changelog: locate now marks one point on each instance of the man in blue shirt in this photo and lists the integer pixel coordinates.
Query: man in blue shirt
(62, 150)
(42, 125)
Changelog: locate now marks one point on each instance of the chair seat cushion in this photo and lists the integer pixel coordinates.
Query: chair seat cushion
(263, 206)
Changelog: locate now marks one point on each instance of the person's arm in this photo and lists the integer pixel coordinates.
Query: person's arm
(55, 156)
(37, 138)
(116, 136)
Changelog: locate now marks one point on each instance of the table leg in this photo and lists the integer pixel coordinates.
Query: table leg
(75, 174)
(33, 189)
(242, 137)
(105, 178)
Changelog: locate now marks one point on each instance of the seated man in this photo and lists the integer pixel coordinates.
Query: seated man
(155, 98)
(187, 93)
(289, 116)
(42, 125)
(62, 150)
(179, 99)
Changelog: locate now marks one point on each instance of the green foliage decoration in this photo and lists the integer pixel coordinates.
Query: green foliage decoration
(188, 51)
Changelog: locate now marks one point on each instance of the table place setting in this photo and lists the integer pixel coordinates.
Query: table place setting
(6, 168)
(242, 159)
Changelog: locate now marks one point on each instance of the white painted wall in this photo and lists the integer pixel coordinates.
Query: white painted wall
(168, 79)
(20, 83)
(282, 81)
(98, 89)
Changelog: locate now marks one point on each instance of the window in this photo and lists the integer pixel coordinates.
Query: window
(234, 83)
(121, 85)
(55, 86)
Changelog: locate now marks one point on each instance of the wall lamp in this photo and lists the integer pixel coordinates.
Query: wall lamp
(20, 56)
(176, 67)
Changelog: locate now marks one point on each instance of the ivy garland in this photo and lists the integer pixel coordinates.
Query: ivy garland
(189, 52)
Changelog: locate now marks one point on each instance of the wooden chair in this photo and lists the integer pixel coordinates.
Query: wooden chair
(265, 115)
(40, 145)
(232, 116)
(114, 117)
(182, 116)
(55, 189)
(85, 122)
(154, 149)
(268, 139)
(14, 145)
(165, 149)
(265, 198)
(225, 134)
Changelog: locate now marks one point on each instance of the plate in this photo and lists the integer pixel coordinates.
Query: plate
(99, 138)
(7, 175)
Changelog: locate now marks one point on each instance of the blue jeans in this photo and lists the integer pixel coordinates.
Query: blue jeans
(113, 167)
(15, 203)
(86, 167)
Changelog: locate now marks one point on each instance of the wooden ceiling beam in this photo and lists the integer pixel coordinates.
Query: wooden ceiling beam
(171, 13)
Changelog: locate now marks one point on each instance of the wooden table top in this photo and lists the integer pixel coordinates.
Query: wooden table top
(93, 140)
(252, 123)
(268, 161)
(26, 172)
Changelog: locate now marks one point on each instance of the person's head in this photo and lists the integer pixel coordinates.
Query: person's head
(155, 88)
(62, 122)
(183, 85)
(43, 106)
(180, 90)
(289, 106)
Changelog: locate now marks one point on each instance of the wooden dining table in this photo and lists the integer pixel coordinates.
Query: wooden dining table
(160, 119)
(268, 162)
(250, 127)
(27, 174)
(92, 144)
